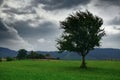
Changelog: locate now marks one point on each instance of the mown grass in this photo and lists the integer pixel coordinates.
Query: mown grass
(59, 70)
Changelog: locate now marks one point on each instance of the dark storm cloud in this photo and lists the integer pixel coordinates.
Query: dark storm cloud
(111, 2)
(60, 4)
(7, 32)
(1, 1)
(2, 26)
(45, 29)
(10, 38)
(34, 24)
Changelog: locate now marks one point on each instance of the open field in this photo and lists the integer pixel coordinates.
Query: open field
(59, 70)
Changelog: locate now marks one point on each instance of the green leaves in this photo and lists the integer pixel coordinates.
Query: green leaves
(82, 32)
(22, 53)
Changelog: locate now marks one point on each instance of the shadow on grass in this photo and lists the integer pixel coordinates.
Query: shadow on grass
(91, 69)
(79, 69)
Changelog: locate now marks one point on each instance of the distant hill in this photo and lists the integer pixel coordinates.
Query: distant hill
(5, 52)
(97, 54)
(104, 53)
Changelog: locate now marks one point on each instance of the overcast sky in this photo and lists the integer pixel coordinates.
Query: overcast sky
(34, 24)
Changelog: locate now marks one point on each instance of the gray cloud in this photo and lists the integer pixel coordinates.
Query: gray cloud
(36, 23)
(25, 10)
(108, 3)
(9, 38)
(111, 41)
(45, 29)
(115, 21)
(2, 27)
(1, 1)
(7, 32)
(15, 11)
(117, 28)
(60, 4)
(111, 2)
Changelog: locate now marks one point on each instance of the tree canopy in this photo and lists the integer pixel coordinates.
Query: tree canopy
(81, 33)
(22, 53)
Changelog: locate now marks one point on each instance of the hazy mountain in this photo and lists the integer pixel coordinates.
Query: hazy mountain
(97, 54)
(5, 52)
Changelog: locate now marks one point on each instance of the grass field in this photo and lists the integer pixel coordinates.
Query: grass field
(59, 70)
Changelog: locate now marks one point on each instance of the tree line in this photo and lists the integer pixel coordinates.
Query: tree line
(24, 54)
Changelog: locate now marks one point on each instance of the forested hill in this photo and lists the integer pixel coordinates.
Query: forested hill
(97, 54)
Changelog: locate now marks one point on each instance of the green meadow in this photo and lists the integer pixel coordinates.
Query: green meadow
(59, 70)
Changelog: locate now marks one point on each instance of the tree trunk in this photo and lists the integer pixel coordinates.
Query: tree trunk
(83, 65)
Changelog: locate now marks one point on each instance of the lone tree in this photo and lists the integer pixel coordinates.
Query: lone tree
(81, 33)
(22, 53)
